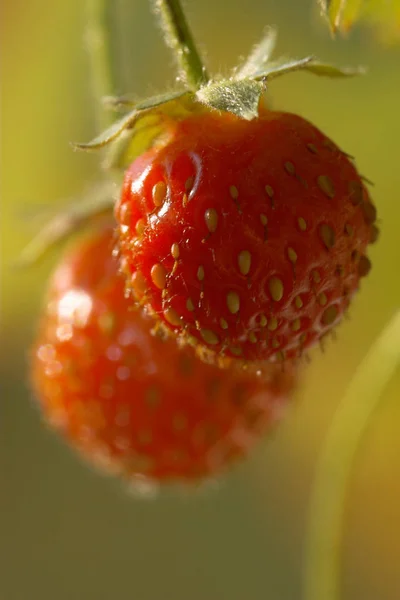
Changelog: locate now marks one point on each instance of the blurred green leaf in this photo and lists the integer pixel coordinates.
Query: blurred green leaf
(75, 215)
(341, 13)
(383, 14)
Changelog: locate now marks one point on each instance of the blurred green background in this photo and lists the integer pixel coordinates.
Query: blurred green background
(67, 533)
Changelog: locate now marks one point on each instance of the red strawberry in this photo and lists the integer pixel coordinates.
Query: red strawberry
(129, 400)
(246, 236)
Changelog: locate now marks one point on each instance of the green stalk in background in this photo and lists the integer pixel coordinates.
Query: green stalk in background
(102, 61)
(322, 559)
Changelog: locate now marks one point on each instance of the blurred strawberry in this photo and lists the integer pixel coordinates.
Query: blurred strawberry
(132, 402)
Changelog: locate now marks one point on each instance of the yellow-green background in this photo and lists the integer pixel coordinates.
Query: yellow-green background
(65, 532)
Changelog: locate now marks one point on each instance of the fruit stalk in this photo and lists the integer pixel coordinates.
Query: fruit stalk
(178, 36)
(102, 63)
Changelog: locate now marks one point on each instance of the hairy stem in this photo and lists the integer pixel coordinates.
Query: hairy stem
(178, 36)
(337, 457)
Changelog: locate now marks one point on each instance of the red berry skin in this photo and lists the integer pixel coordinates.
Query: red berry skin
(133, 402)
(248, 237)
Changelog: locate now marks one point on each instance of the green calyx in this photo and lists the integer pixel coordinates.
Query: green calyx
(145, 123)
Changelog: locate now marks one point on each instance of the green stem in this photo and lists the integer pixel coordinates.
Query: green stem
(103, 64)
(322, 559)
(178, 36)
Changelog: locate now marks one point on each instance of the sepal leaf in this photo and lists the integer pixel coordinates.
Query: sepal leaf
(240, 98)
(165, 101)
(260, 55)
(308, 64)
(110, 134)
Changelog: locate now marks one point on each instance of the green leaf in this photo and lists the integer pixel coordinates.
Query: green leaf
(259, 56)
(240, 98)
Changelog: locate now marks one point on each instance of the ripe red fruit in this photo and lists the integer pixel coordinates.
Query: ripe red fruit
(132, 401)
(246, 236)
